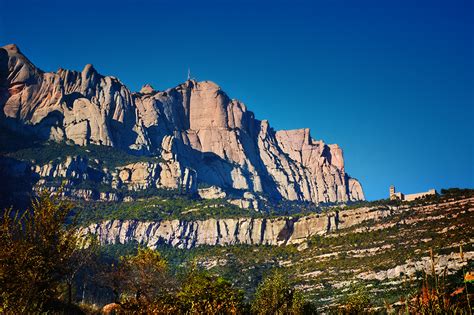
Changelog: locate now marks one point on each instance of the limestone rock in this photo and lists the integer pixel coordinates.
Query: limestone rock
(187, 234)
(212, 192)
(143, 175)
(73, 167)
(248, 201)
(195, 128)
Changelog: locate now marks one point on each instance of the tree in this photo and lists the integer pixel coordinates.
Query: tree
(82, 256)
(202, 293)
(36, 247)
(275, 295)
(146, 275)
(141, 283)
(357, 301)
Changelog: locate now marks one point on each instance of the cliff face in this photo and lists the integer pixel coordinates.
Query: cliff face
(167, 174)
(195, 127)
(251, 231)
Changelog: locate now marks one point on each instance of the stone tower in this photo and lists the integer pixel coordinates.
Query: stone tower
(392, 192)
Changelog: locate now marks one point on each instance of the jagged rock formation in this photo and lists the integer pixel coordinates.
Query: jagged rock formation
(200, 132)
(167, 174)
(143, 175)
(251, 231)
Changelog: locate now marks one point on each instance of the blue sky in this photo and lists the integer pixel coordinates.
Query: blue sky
(390, 81)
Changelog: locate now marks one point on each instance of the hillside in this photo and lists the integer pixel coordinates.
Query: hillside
(384, 248)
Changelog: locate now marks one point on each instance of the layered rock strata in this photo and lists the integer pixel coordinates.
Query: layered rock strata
(251, 231)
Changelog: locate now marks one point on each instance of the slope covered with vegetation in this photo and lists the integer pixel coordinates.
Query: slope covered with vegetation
(388, 258)
(417, 260)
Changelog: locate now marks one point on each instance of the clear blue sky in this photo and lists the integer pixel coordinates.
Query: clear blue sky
(390, 81)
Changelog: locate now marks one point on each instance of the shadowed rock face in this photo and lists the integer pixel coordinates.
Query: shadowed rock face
(195, 124)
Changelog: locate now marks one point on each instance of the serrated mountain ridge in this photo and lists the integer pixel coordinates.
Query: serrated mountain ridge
(195, 127)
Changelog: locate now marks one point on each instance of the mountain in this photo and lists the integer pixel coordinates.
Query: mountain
(193, 174)
(188, 137)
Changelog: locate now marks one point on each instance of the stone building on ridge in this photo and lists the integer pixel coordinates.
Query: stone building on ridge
(400, 196)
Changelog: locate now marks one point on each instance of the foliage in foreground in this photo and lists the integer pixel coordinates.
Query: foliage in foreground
(357, 301)
(435, 297)
(275, 295)
(37, 254)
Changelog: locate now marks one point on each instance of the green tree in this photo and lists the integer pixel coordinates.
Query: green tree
(357, 301)
(36, 248)
(83, 255)
(202, 293)
(142, 283)
(275, 295)
(146, 274)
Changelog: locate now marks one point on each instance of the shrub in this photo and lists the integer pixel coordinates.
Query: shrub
(37, 254)
(202, 293)
(275, 295)
(141, 282)
(356, 302)
(435, 297)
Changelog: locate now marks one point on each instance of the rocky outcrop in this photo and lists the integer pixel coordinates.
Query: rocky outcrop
(143, 175)
(444, 263)
(202, 134)
(74, 171)
(249, 201)
(252, 231)
(74, 167)
(212, 192)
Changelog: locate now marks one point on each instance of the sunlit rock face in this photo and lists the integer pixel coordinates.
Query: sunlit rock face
(229, 231)
(200, 133)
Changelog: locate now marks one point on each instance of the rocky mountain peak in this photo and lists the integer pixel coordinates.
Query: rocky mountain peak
(12, 48)
(88, 70)
(213, 136)
(147, 89)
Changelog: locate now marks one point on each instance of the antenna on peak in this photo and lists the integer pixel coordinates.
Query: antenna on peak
(190, 77)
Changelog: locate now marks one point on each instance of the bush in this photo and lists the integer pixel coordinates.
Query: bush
(202, 293)
(275, 295)
(357, 301)
(37, 254)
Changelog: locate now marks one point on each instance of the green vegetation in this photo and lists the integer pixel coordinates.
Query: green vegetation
(45, 268)
(275, 295)
(356, 300)
(203, 293)
(11, 141)
(159, 208)
(45, 152)
(41, 256)
(38, 253)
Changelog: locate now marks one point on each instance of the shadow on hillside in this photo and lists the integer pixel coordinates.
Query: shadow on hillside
(17, 183)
